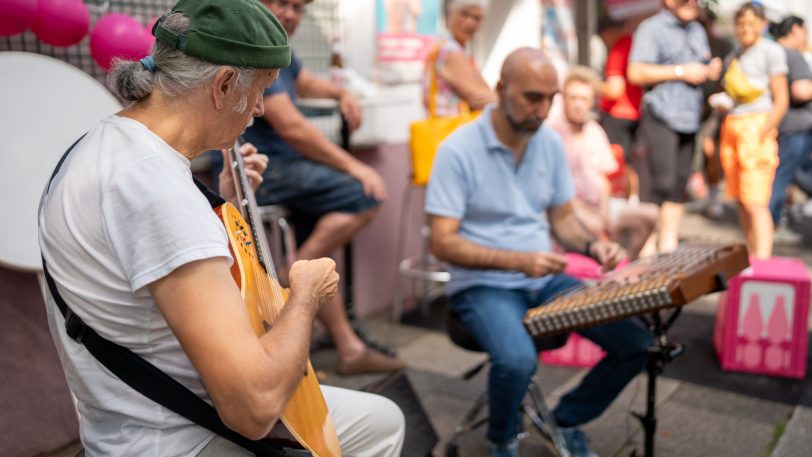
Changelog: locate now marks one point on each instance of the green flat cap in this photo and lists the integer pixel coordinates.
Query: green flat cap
(242, 33)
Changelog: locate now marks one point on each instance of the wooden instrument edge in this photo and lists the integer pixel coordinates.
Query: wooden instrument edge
(705, 281)
(682, 290)
(322, 439)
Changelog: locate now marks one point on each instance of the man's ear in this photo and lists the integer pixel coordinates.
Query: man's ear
(500, 89)
(223, 86)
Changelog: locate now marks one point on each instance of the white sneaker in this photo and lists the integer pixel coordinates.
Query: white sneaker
(806, 210)
(786, 237)
(715, 209)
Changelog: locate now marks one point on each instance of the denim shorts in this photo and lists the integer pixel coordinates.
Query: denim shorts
(307, 187)
(310, 190)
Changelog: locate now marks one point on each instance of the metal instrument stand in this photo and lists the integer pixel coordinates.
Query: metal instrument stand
(659, 354)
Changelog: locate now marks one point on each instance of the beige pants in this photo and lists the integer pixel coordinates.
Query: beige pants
(368, 426)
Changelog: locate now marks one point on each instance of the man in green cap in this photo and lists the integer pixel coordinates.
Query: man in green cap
(139, 256)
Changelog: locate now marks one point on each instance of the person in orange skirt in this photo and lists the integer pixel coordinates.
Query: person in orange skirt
(756, 81)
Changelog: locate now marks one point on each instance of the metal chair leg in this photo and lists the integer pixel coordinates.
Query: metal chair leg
(405, 212)
(549, 425)
(469, 422)
(288, 242)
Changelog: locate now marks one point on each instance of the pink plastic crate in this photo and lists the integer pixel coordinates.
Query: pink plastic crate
(761, 321)
(579, 351)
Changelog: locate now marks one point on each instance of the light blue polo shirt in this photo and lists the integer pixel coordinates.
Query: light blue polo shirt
(500, 204)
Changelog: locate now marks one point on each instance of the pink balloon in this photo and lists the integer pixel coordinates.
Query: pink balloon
(16, 16)
(149, 31)
(61, 22)
(118, 35)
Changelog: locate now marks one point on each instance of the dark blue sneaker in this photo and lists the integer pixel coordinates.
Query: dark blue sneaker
(576, 442)
(507, 449)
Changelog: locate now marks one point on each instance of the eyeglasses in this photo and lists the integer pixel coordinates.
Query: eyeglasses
(298, 8)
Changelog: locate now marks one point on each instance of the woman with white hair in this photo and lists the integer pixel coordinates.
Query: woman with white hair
(451, 68)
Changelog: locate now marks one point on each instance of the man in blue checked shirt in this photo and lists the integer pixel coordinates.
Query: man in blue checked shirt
(671, 57)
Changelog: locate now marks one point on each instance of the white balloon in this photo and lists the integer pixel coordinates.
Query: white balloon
(45, 105)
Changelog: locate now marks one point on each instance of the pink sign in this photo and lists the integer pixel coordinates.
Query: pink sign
(402, 47)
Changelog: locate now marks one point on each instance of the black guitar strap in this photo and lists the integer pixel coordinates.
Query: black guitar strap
(145, 377)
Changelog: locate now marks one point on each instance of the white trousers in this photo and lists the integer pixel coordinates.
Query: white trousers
(367, 425)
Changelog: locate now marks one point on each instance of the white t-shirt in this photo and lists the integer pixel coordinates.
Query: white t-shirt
(123, 212)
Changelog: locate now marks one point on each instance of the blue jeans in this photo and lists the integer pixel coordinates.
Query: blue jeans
(793, 153)
(495, 318)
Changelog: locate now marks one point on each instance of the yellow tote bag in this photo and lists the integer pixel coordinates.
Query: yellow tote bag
(427, 134)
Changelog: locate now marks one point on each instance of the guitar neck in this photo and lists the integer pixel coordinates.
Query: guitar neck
(250, 210)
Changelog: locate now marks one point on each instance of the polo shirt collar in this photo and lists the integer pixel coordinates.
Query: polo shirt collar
(492, 142)
(671, 20)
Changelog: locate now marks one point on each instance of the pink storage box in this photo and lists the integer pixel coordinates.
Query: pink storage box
(579, 351)
(761, 320)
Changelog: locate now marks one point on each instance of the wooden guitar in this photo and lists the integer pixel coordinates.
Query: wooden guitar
(306, 417)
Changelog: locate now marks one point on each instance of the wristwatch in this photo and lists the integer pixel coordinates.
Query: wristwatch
(679, 71)
(588, 248)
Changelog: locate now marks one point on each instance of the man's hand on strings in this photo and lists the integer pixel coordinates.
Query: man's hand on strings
(537, 264)
(255, 165)
(606, 253)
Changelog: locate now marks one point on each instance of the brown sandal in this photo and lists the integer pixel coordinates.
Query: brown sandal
(371, 361)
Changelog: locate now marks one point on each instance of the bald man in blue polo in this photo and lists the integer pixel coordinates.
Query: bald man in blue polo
(500, 187)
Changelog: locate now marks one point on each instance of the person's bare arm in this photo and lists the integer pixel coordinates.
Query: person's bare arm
(590, 218)
(572, 235)
(447, 244)
(695, 73)
(801, 90)
(466, 81)
(249, 378)
(613, 87)
(309, 86)
(297, 131)
(780, 95)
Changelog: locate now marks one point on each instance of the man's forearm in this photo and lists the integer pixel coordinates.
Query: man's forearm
(801, 91)
(457, 250)
(647, 74)
(318, 88)
(311, 143)
(571, 234)
(288, 342)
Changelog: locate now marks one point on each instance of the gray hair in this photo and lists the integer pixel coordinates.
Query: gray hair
(451, 5)
(175, 72)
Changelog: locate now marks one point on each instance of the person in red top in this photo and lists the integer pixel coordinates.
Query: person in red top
(620, 100)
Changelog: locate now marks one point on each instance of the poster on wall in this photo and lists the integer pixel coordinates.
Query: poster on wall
(405, 29)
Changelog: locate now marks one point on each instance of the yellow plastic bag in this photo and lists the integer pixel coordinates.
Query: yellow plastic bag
(427, 134)
(738, 86)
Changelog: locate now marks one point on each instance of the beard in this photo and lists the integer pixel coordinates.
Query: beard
(528, 126)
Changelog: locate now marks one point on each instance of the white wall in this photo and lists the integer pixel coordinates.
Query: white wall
(359, 35)
(802, 8)
(509, 24)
